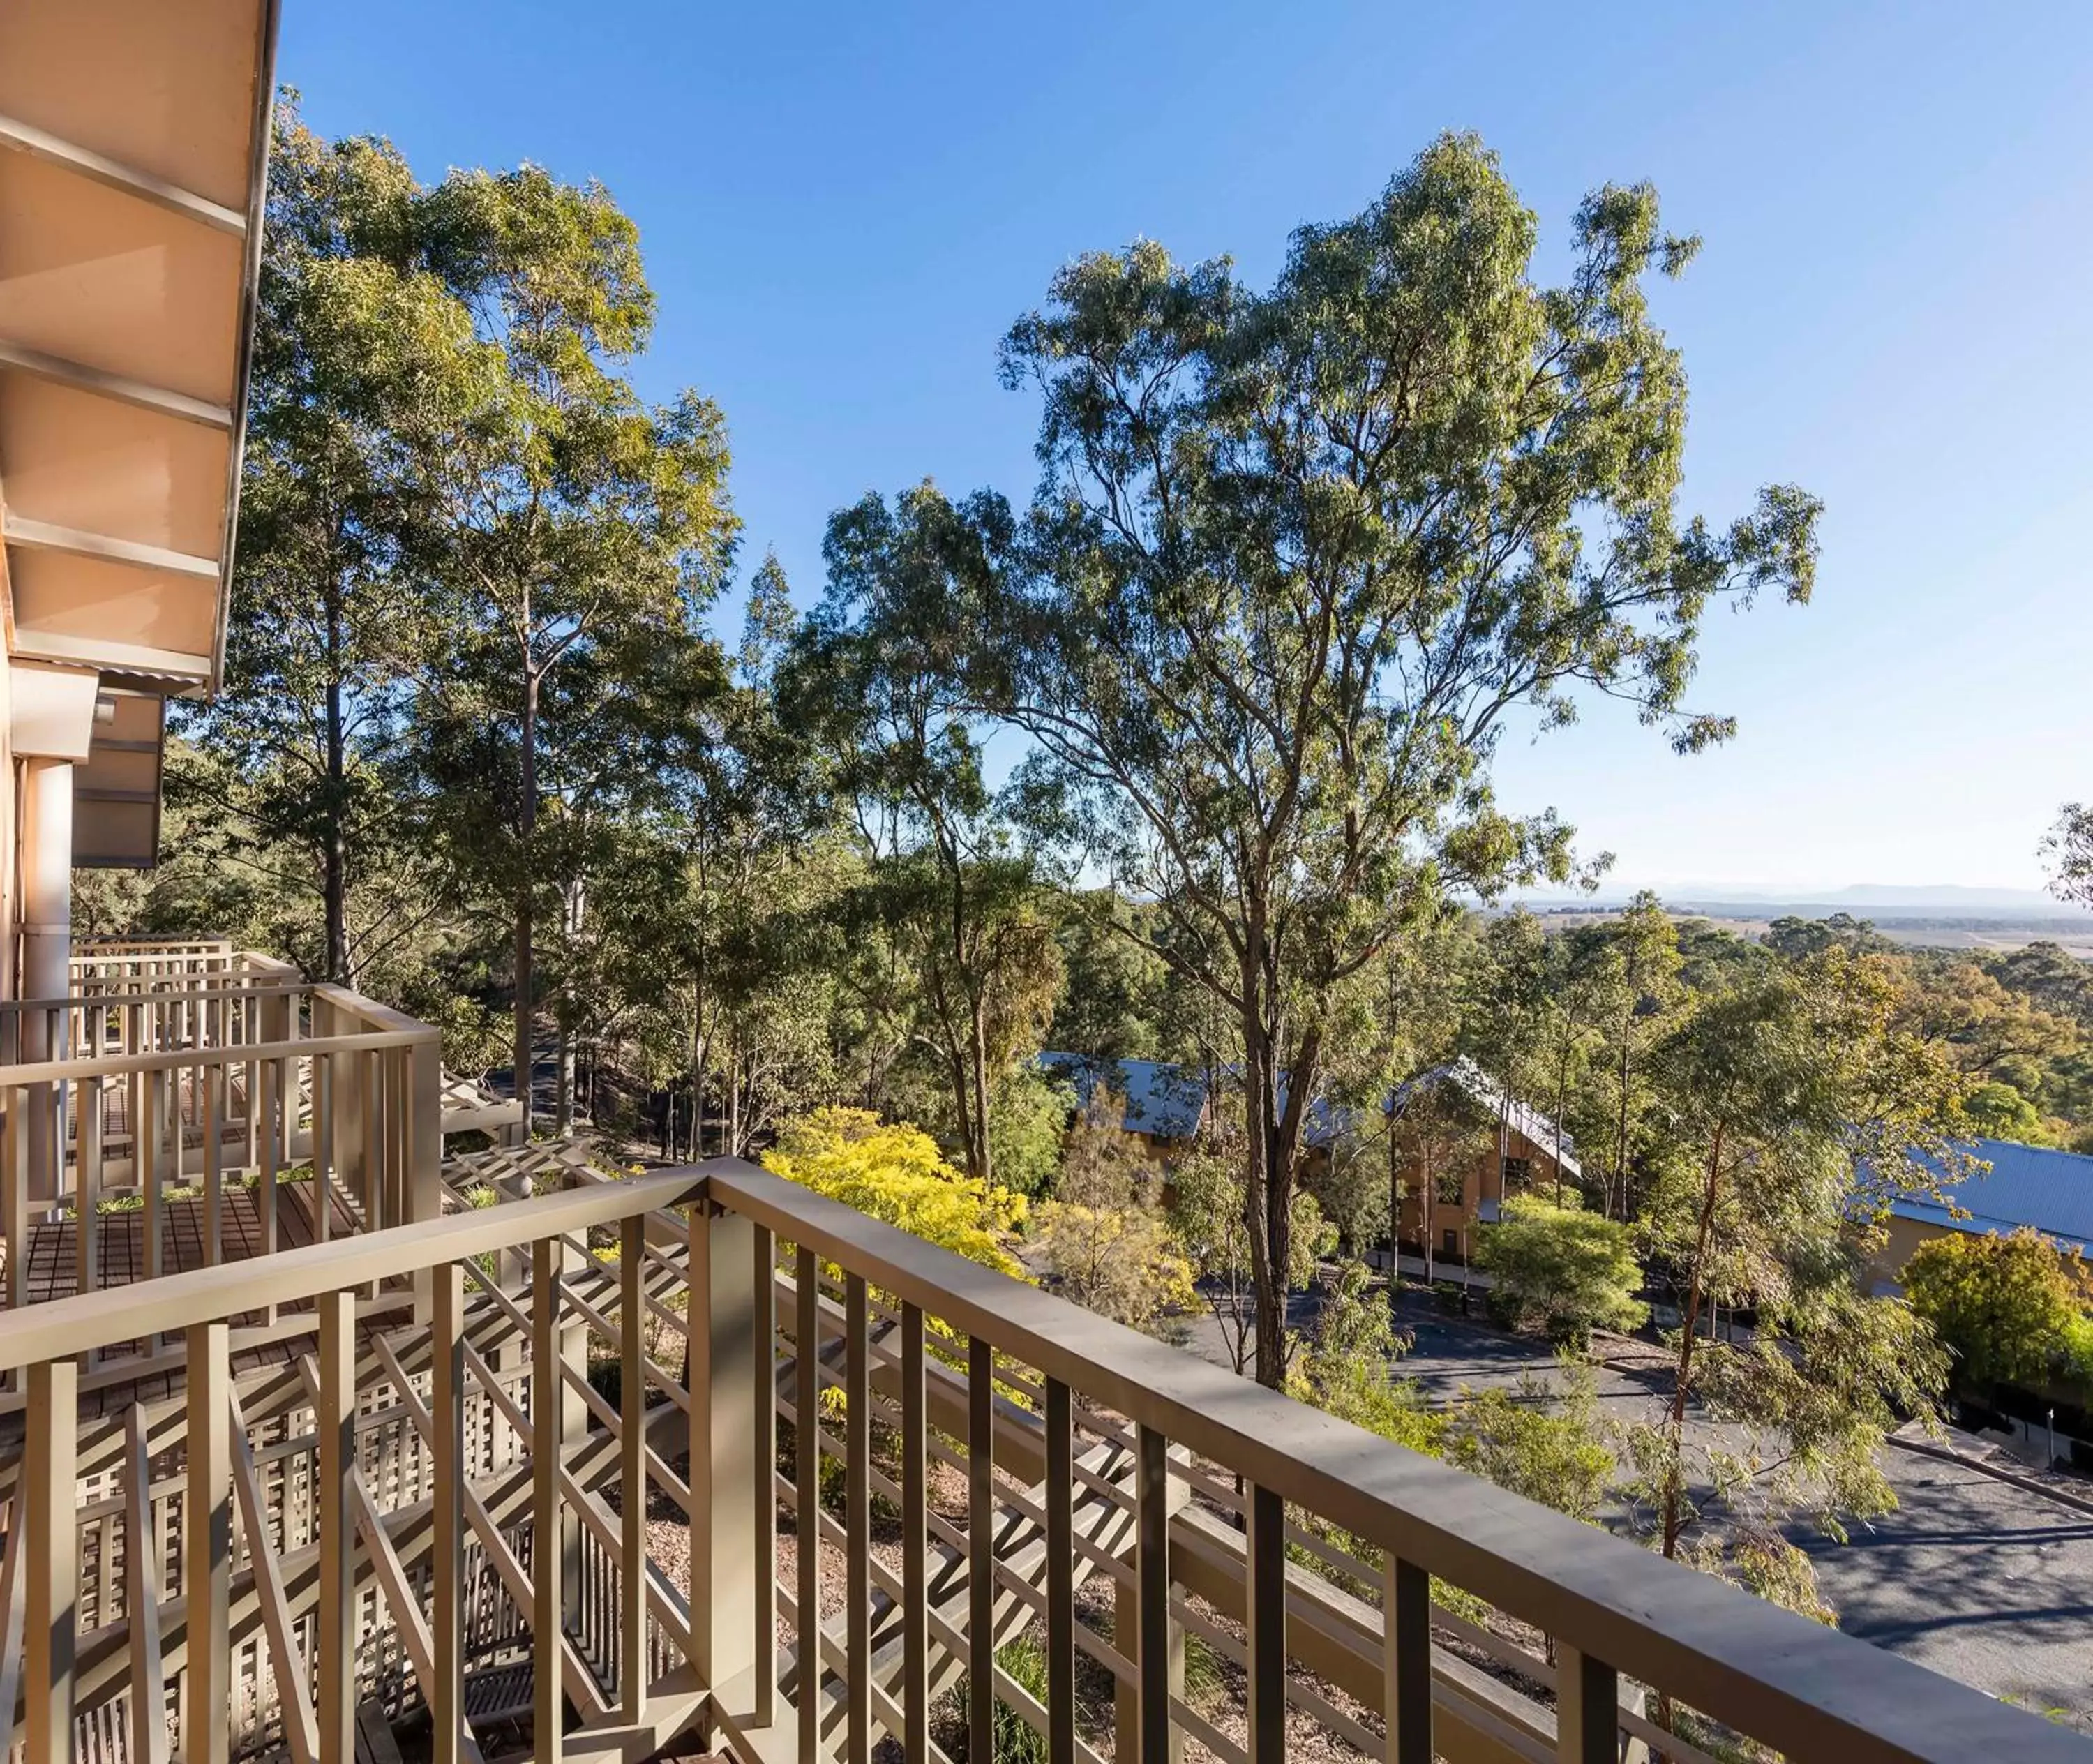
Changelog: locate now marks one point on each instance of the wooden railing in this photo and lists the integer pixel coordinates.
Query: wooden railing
(267, 1110)
(363, 1527)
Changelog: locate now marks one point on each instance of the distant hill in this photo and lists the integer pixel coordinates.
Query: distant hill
(1868, 900)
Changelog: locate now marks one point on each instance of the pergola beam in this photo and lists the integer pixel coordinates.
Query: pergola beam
(60, 372)
(40, 144)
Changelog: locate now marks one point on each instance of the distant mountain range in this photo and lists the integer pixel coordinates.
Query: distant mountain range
(1862, 899)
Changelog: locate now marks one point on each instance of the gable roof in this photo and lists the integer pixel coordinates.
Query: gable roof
(2026, 1186)
(1169, 1100)
(1490, 1096)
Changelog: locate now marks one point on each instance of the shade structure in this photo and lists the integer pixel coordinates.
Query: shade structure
(133, 147)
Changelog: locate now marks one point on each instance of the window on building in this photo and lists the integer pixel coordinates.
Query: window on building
(1517, 1173)
(1450, 1189)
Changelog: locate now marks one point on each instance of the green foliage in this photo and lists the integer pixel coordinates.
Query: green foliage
(1346, 1368)
(1801, 1102)
(892, 1172)
(2010, 1309)
(1544, 1438)
(1027, 1126)
(1121, 1262)
(876, 671)
(1561, 1270)
(1997, 1111)
(1208, 1216)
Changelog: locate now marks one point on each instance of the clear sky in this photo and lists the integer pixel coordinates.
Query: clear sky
(843, 207)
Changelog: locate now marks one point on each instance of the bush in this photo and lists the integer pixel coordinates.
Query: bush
(892, 1172)
(1562, 1270)
(2007, 1308)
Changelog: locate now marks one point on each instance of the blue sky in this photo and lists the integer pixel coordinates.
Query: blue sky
(843, 208)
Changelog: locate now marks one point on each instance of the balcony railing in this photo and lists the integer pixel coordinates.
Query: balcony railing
(373, 1527)
(191, 1105)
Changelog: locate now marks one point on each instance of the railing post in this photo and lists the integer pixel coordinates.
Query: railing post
(1264, 1606)
(549, 1587)
(1587, 1717)
(447, 1513)
(51, 1539)
(207, 1550)
(421, 1134)
(1405, 1617)
(806, 1496)
(724, 1363)
(334, 1526)
(980, 1547)
(632, 1469)
(14, 1193)
(1145, 1729)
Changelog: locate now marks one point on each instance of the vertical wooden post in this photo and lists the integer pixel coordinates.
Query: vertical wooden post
(980, 1548)
(421, 1135)
(207, 1550)
(763, 1479)
(1406, 1616)
(143, 1546)
(857, 1519)
(723, 1373)
(51, 1543)
(1145, 1728)
(334, 1526)
(547, 1436)
(146, 1169)
(632, 1468)
(914, 1694)
(87, 1188)
(1588, 1716)
(1060, 1576)
(1264, 1601)
(212, 1078)
(14, 1193)
(446, 1696)
(807, 1495)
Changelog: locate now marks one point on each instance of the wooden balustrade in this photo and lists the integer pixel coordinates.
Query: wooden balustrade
(343, 1518)
(202, 1105)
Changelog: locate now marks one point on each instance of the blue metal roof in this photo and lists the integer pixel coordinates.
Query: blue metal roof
(1162, 1099)
(1169, 1100)
(2026, 1186)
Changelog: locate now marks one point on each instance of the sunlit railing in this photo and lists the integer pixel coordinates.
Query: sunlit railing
(363, 1527)
(233, 1107)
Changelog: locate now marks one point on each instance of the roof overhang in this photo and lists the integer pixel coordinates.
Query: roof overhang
(134, 139)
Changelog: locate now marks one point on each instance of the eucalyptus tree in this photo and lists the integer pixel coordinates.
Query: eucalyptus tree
(1797, 1108)
(360, 356)
(1299, 558)
(580, 533)
(880, 671)
(1643, 943)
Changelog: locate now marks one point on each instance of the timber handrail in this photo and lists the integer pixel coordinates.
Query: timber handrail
(1808, 1691)
(235, 1054)
(68, 1327)
(235, 986)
